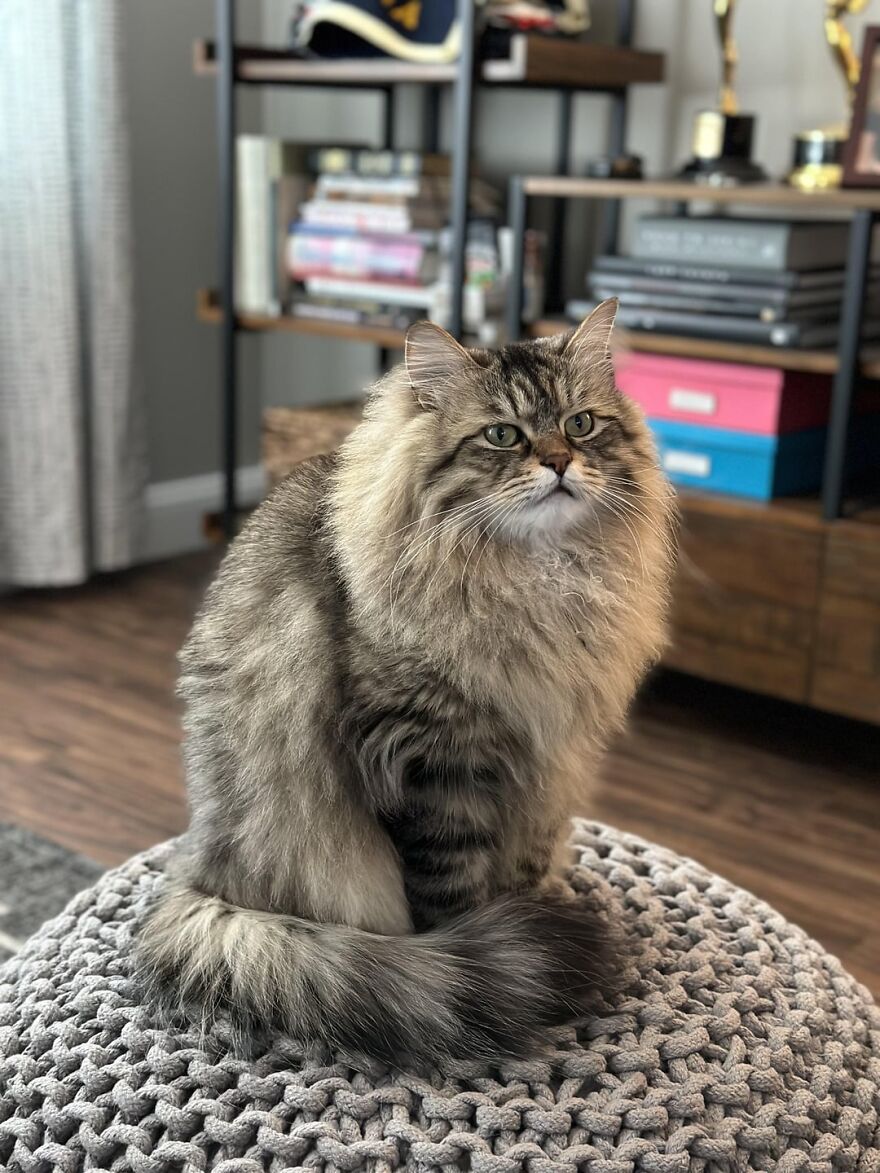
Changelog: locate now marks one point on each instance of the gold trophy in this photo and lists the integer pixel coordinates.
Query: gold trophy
(818, 154)
(722, 142)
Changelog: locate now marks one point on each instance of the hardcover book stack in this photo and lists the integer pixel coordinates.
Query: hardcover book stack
(766, 282)
(368, 245)
(753, 431)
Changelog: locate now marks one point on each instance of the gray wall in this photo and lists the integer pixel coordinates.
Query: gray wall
(175, 226)
(785, 75)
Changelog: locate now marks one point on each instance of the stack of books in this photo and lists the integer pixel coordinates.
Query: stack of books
(766, 282)
(369, 243)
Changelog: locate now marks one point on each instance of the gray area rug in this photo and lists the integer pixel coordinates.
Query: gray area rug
(37, 878)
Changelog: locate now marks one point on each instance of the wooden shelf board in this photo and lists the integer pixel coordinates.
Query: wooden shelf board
(208, 310)
(257, 65)
(579, 65)
(816, 361)
(760, 194)
(534, 61)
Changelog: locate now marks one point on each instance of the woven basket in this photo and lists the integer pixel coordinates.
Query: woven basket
(293, 434)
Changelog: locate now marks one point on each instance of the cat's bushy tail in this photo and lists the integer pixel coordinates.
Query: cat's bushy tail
(484, 986)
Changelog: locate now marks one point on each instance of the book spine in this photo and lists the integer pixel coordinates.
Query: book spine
(305, 270)
(756, 246)
(375, 164)
(361, 244)
(702, 304)
(669, 270)
(699, 325)
(359, 186)
(253, 229)
(360, 216)
(392, 293)
(614, 284)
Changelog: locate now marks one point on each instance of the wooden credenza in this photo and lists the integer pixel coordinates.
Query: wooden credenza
(773, 599)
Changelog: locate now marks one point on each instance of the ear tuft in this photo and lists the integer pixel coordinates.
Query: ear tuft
(434, 361)
(591, 340)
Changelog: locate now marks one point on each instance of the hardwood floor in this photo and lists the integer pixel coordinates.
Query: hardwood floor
(781, 800)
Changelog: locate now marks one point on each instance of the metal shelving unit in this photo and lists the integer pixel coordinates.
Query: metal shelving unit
(847, 364)
(534, 62)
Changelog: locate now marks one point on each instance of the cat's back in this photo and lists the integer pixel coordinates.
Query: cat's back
(277, 566)
(289, 523)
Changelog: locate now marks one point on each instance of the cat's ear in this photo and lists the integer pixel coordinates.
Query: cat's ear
(591, 341)
(435, 362)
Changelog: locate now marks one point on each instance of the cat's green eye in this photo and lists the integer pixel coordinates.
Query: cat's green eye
(579, 425)
(502, 435)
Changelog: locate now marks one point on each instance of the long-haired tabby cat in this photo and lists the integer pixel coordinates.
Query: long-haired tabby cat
(400, 682)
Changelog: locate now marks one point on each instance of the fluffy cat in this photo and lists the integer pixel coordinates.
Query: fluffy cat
(399, 684)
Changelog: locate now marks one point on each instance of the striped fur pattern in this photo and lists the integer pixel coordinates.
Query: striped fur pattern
(398, 687)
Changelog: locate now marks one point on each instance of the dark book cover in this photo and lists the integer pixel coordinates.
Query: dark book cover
(822, 309)
(721, 274)
(744, 301)
(788, 334)
(773, 245)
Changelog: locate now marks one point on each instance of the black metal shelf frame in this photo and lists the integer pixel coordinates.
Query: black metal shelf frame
(847, 375)
(462, 125)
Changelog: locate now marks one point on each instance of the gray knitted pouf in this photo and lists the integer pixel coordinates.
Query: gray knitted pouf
(741, 1045)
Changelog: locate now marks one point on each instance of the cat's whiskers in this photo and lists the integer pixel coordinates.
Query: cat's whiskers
(421, 541)
(484, 518)
(489, 534)
(440, 512)
(640, 490)
(617, 510)
(509, 511)
(639, 502)
(462, 514)
(627, 501)
(473, 514)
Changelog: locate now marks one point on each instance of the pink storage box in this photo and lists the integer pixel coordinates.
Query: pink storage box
(762, 400)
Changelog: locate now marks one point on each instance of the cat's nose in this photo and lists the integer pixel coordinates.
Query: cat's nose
(558, 460)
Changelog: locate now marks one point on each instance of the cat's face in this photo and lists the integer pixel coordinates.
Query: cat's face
(530, 441)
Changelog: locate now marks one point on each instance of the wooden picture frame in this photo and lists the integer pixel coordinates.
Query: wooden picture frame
(861, 157)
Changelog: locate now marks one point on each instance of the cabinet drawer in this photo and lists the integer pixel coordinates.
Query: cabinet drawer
(846, 675)
(744, 601)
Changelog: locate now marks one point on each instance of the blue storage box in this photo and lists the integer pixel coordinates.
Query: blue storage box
(741, 463)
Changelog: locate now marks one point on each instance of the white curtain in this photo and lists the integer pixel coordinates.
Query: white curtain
(72, 445)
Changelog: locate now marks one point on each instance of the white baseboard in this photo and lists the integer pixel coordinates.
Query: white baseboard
(176, 510)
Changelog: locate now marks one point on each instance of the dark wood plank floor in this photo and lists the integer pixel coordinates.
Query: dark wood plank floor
(781, 800)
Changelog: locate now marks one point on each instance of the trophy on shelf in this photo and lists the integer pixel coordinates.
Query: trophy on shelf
(722, 142)
(818, 154)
